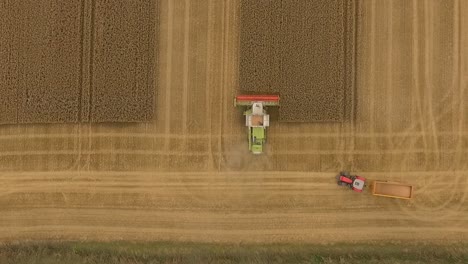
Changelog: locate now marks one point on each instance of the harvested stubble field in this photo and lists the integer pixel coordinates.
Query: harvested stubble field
(71, 61)
(302, 50)
(188, 176)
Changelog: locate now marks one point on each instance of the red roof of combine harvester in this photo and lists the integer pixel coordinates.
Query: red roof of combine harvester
(257, 98)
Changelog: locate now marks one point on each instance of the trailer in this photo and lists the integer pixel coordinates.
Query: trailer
(392, 189)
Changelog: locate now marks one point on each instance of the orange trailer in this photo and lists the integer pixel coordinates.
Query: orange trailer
(392, 189)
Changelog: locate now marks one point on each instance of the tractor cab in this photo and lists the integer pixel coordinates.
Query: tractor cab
(356, 183)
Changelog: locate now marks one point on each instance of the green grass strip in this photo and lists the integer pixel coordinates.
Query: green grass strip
(175, 252)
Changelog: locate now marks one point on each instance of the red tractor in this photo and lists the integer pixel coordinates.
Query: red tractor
(356, 183)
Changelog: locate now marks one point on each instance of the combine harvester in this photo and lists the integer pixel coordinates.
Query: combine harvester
(256, 118)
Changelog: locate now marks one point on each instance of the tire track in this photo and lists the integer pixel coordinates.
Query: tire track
(451, 203)
(372, 70)
(457, 82)
(389, 83)
(428, 47)
(245, 174)
(91, 59)
(170, 29)
(240, 154)
(145, 134)
(434, 119)
(223, 114)
(419, 95)
(81, 77)
(78, 149)
(209, 86)
(409, 140)
(186, 67)
(415, 82)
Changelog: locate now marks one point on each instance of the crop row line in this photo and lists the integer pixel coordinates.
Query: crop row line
(206, 136)
(207, 153)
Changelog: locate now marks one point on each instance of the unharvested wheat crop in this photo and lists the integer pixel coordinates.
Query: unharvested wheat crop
(71, 61)
(123, 88)
(40, 72)
(299, 49)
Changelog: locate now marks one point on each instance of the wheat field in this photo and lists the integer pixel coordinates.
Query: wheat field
(188, 174)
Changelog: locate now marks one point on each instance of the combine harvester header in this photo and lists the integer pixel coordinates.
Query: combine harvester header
(256, 118)
(248, 100)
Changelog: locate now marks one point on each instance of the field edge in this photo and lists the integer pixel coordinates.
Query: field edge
(188, 252)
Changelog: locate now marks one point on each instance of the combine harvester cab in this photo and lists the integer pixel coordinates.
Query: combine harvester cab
(256, 118)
